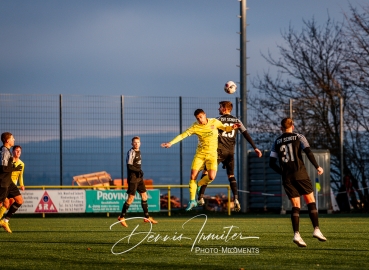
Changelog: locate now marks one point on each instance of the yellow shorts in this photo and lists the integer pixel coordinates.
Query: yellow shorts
(201, 159)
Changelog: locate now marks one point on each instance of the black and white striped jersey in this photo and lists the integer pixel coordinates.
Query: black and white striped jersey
(5, 172)
(133, 161)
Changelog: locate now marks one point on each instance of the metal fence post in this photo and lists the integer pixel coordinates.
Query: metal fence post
(122, 136)
(180, 151)
(61, 137)
(238, 148)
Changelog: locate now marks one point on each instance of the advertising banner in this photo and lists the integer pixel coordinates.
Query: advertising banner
(103, 201)
(53, 201)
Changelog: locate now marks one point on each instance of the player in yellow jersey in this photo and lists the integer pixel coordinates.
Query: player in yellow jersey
(14, 198)
(206, 130)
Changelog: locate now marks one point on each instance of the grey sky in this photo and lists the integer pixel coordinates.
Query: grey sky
(142, 48)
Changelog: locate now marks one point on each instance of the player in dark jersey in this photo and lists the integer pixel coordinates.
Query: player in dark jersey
(7, 187)
(226, 145)
(135, 182)
(296, 182)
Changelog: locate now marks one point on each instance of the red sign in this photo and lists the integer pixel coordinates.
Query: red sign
(46, 205)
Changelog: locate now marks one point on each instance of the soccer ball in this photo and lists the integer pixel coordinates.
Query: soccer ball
(230, 87)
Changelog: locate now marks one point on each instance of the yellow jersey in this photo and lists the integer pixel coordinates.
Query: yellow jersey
(18, 175)
(207, 135)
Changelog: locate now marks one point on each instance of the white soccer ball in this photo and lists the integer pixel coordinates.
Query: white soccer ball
(230, 87)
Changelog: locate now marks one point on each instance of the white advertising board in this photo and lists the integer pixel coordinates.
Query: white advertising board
(53, 201)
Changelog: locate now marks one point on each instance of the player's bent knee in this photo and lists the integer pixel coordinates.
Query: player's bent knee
(19, 200)
(144, 196)
(212, 175)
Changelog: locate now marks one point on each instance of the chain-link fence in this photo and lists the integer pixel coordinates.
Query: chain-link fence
(67, 135)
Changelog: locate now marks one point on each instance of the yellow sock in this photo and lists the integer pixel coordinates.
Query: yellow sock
(193, 188)
(2, 211)
(205, 181)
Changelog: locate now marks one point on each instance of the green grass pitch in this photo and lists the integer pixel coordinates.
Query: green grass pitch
(184, 242)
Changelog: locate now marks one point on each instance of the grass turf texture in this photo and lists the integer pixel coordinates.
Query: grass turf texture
(86, 243)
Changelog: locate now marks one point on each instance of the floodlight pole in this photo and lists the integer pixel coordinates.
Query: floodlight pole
(243, 178)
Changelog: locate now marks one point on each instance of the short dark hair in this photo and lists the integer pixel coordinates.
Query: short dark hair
(17, 146)
(286, 122)
(136, 138)
(226, 104)
(198, 111)
(5, 136)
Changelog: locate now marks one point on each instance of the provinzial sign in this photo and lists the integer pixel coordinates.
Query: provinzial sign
(110, 201)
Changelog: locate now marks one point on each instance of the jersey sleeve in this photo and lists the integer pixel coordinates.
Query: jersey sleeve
(130, 157)
(311, 157)
(242, 128)
(5, 156)
(273, 152)
(182, 136)
(21, 183)
(17, 176)
(220, 125)
(130, 160)
(6, 164)
(303, 141)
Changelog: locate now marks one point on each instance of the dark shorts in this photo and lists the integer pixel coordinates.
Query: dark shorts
(297, 188)
(135, 184)
(227, 159)
(9, 192)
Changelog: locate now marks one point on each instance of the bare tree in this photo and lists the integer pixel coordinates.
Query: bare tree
(357, 32)
(314, 72)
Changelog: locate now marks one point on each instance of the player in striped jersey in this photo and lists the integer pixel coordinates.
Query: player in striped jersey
(287, 149)
(206, 130)
(135, 183)
(226, 145)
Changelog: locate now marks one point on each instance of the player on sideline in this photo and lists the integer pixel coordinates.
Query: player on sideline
(226, 144)
(287, 149)
(135, 182)
(7, 187)
(16, 175)
(206, 130)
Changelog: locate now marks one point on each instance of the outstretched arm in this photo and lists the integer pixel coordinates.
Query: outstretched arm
(166, 145)
(228, 128)
(178, 138)
(247, 136)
